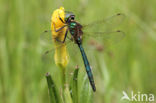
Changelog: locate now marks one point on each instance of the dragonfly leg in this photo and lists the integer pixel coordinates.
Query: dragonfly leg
(58, 40)
(70, 38)
(56, 30)
(65, 35)
(61, 19)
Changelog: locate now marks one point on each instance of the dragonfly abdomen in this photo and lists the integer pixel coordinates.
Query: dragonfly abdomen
(87, 66)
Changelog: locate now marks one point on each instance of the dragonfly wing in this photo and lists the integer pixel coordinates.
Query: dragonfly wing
(103, 31)
(46, 37)
(105, 24)
(47, 40)
(102, 40)
(48, 53)
(112, 36)
(47, 43)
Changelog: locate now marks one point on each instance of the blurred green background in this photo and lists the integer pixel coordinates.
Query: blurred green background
(128, 66)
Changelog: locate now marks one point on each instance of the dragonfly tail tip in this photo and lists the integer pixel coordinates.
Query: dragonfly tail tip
(118, 31)
(118, 13)
(94, 88)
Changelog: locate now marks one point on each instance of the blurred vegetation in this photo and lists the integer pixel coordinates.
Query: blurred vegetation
(128, 66)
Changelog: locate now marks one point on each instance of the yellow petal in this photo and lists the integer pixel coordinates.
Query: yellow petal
(61, 55)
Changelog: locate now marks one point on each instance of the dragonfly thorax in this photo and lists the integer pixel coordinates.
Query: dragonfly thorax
(76, 31)
(72, 25)
(72, 28)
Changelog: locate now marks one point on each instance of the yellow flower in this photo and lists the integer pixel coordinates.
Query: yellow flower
(61, 55)
(55, 17)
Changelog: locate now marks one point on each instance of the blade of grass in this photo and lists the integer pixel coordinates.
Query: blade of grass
(52, 90)
(86, 92)
(75, 85)
(67, 95)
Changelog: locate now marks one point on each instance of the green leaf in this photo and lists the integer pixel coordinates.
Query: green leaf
(52, 90)
(75, 85)
(86, 92)
(67, 95)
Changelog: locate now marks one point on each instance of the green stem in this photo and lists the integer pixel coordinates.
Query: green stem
(63, 77)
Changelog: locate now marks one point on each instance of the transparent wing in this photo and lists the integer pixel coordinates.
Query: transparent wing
(101, 34)
(107, 24)
(47, 43)
(46, 36)
(113, 36)
(102, 40)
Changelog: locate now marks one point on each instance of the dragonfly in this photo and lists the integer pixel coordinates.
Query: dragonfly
(78, 32)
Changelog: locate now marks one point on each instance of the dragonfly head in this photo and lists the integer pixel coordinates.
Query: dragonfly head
(69, 16)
